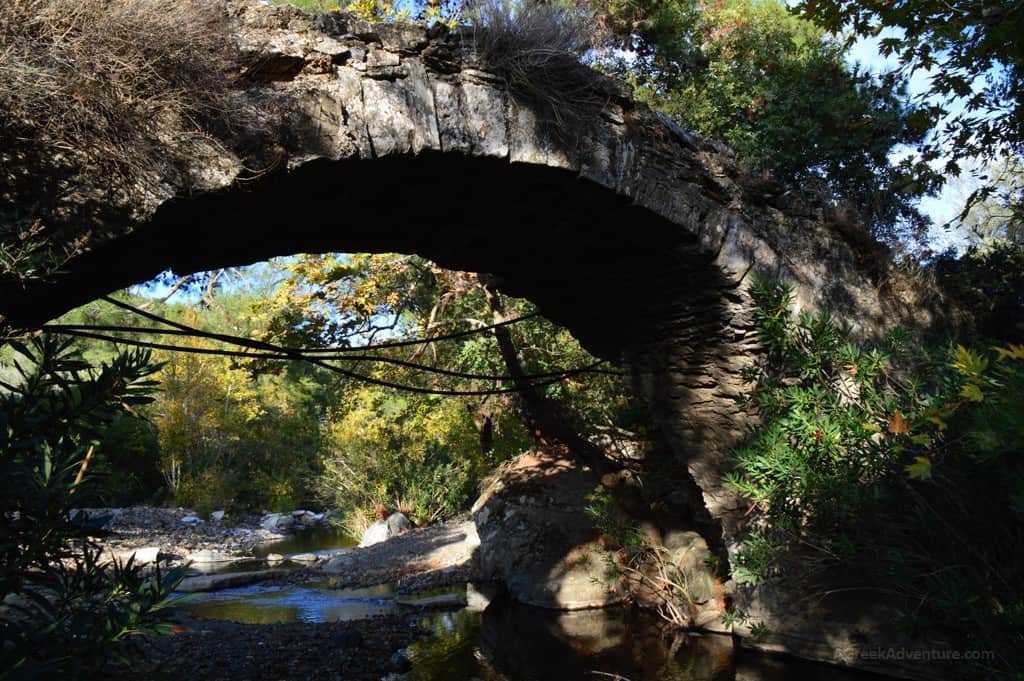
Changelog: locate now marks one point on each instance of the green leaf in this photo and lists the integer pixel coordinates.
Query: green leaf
(921, 469)
(972, 392)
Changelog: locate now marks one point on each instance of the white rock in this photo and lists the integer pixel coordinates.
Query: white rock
(277, 522)
(304, 558)
(375, 534)
(209, 556)
(191, 519)
(146, 555)
(217, 516)
(274, 558)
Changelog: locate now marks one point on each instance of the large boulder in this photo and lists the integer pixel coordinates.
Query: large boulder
(278, 522)
(537, 537)
(382, 530)
(398, 523)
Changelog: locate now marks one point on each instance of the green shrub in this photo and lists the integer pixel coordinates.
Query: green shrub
(208, 491)
(894, 461)
(66, 614)
(419, 454)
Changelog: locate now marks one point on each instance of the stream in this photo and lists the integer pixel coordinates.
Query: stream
(494, 638)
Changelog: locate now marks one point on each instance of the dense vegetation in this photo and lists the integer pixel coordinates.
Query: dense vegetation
(897, 463)
(67, 612)
(244, 432)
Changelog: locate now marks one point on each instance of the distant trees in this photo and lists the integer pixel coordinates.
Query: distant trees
(425, 452)
(974, 102)
(781, 92)
(403, 398)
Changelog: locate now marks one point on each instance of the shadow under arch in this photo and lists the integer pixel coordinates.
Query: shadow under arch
(593, 261)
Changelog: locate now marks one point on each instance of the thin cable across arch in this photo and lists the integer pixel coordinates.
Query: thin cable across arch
(263, 350)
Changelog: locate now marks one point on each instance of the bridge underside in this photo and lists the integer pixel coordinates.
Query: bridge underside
(592, 261)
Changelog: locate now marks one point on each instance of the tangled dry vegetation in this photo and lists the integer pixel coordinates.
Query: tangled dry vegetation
(536, 48)
(101, 100)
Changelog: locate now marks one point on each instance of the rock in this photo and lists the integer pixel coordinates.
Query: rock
(274, 558)
(374, 534)
(384, 529)
(277, 522)
(398, 523)
(192, 520)
(207, 556)
(217, 516)
(538, 539)
(707, 617)
(305, 558)
(690, 554)
(227, 581)
(299, 513)
(339, 564)
(146, 555)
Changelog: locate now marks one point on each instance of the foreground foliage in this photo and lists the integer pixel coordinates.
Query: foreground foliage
(897, 462)
(66, 612)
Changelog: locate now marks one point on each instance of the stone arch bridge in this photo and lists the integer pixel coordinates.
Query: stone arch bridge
(636, 235)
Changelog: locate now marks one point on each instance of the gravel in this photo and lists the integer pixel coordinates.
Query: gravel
(220, 650)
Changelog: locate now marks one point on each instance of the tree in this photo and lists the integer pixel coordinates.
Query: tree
(390, 444)
(973, 54)
(974, 49)
(781, 92)
(996, 209)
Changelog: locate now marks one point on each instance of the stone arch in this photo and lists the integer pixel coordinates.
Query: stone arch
(633, 233)
(636, 235)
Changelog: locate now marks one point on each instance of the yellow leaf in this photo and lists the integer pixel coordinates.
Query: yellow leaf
(921, 469)
(972, 392)
(872, 427)
(939, 422)
(1012, 351)
(968, 362)
(897, 425)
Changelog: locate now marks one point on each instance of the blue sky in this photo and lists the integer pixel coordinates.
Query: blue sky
(945, 206)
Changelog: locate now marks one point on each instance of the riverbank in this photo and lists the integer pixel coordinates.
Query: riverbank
(414, 561)
(219, 650)
(178, 534)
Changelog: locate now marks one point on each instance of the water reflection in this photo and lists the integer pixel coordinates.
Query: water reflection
(309, 602)
(507, 641)
(513, 642)
(318, 539)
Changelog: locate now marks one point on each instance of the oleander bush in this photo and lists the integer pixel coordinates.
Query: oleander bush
(899, 461)
(68, 611)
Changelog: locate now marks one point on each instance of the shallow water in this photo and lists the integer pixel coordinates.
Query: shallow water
(496, 639)
(308, 602)
(319, 539)
(500, 640)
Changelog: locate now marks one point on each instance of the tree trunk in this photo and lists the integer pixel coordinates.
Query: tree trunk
(544, 418)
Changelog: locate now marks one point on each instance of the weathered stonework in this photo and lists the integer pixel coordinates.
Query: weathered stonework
(636, 235)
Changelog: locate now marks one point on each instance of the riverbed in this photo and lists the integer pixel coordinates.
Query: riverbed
(470, 632)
